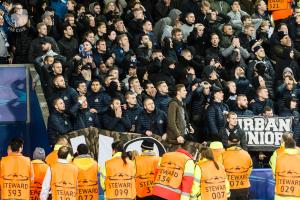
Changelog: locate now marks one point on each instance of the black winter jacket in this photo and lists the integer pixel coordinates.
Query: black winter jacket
(216, 117)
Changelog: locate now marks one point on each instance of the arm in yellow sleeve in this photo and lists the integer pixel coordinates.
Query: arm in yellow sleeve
(196, 184)
(272, 161)
(187, 180)
(103, 177)
(227, 188)
(31, 172)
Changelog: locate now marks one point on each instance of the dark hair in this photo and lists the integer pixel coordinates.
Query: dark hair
(63, 152)
(65, 26)
(100, 40)
(147, 99)
(118, 146)
(82, 149)
(56, 61)
(115, 99)
(234, 1)
(141, 36)
(207, 153)
(16, 143)
(245, 17)
(131, 79)
(96, 80)
(147, 84)
(79, 82)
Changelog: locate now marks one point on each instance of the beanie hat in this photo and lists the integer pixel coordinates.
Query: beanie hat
(147, 145)
(256, 48)
(287, 70)
(233, 138)
(281, 35)
(39, 154)
(167, 62)
(208, 70)
(260, 68)
(216, 89)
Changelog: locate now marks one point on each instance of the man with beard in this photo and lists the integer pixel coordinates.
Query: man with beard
(58, 122)
(60, 89)
(82, 116)
(232, 127)
(114, 119)
(242, 106)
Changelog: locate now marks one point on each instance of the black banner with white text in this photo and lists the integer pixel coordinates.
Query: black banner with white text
(264, 133)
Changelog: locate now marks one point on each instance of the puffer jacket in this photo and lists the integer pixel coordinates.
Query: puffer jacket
(258, 106)
(216, 117)
(156, 122)
(162, 102)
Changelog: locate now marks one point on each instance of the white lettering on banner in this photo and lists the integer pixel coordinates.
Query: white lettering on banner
(271, 125)
(264, 132)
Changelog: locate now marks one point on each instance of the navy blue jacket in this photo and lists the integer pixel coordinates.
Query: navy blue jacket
(112, 123)
(69, 95)
(283, 95)
(243, 112)
(99, 101)
(296, 123)
(58, 124)
(83, 118)
(216, 118)
(132, 114)
(258, 106)
(162, 102)
(155, 122)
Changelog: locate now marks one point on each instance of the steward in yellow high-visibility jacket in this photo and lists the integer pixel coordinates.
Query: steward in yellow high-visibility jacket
(287, 170)
(210, 180)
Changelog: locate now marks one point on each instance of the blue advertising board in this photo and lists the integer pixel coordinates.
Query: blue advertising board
(262, 184)
(13, 94)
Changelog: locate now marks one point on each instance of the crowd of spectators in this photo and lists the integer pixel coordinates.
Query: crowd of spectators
(156, 66)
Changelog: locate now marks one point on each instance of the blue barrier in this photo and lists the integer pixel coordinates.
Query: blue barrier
(262, 184)
(20, 112)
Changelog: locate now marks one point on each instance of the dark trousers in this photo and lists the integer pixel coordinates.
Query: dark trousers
(145, 198)
(3, 60)
(157, 198)
(242, 194)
